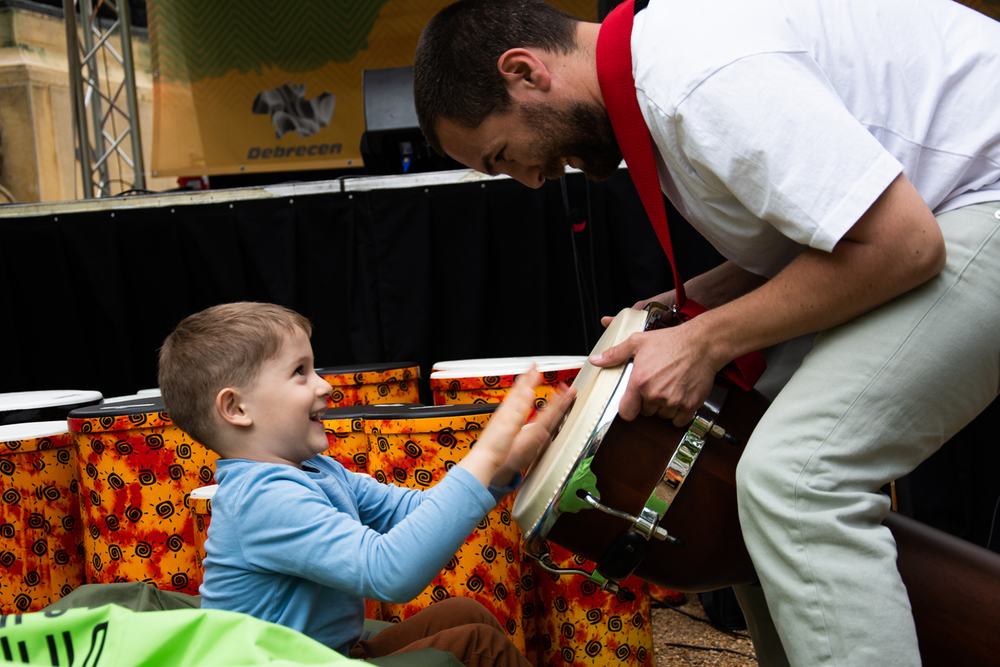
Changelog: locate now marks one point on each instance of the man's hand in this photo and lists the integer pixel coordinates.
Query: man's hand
(671, 375)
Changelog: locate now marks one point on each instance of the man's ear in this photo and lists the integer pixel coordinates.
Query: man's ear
(524, 67)
(230, 408)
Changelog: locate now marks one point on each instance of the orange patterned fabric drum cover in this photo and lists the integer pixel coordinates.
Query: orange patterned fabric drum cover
(136, 469)
(582, 625)
(24, 407)
(414, 449)
(345, 431)
(489, 380)
(41, 555)
(367, 384)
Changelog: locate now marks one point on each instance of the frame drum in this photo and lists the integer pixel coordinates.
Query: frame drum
(604, 486)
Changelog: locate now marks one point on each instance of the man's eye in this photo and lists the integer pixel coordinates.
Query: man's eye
(500, 157)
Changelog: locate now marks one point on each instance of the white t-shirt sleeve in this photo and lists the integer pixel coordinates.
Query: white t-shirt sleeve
(770, 130)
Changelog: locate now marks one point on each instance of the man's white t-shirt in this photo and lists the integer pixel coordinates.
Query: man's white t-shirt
(779, 122)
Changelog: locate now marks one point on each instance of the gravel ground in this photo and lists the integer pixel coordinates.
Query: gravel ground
(684, 636)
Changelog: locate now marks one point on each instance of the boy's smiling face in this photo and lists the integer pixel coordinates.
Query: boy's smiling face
(286, 405)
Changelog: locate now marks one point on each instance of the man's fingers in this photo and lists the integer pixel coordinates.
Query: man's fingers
(631, 403)
(614, 355)
(683, 417)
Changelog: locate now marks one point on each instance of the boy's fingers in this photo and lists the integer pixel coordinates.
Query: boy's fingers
(511, 414)
(556, 409)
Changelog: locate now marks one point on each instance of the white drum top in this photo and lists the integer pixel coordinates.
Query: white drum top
(205, 492)
(32, 430)
(504, 366)
(594, 386)
(28, 400)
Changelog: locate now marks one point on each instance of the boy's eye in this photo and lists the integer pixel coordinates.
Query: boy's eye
(301, 370)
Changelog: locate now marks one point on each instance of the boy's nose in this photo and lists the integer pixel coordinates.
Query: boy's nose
(323, 387)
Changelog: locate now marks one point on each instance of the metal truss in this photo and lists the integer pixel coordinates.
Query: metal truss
(101, 124)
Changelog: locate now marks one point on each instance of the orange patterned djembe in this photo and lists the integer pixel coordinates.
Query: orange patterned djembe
(368, 384)
(345, 431)
(199, 505)
(582, 625)
(489, 380)
(41, 555)
(136, 470)
(414, 449)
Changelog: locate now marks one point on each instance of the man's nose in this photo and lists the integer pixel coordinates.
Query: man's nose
(527, 174)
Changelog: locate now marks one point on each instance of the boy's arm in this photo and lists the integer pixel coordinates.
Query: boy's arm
(289, 527)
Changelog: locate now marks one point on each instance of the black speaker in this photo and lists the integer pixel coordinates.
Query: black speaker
(392, 142)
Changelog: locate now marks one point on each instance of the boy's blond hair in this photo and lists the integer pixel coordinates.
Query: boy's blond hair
(222, 346)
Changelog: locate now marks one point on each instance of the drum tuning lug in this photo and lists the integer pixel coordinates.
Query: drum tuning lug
(719, 432)
(545, 562)
(662, 535)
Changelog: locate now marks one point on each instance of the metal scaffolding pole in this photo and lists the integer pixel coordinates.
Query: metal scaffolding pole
(100, 123)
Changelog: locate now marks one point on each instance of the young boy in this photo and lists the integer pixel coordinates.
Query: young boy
(295, 538)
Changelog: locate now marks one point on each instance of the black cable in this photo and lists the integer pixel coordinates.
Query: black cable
(720, 628)
(135, 191)
(709, 648)
(576, 267)
(590, 233)
(664, 605)
(993, 523)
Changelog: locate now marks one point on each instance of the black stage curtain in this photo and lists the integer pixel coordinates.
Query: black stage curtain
(420, 275)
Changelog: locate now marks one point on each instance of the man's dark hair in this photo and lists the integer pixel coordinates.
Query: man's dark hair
(455, 73)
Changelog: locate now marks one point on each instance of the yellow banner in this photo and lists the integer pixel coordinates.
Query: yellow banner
(243, 86)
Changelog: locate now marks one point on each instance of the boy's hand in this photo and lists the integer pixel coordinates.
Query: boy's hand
(509, 445)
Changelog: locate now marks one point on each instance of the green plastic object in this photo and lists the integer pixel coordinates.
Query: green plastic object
(583, 479)
(133, 623)
(112, 635)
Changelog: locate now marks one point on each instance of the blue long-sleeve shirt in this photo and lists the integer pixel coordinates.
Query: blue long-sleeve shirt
(304, 548)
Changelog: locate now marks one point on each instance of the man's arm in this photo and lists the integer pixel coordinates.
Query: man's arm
(894, 247)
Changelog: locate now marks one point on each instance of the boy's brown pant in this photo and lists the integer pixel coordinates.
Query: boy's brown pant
(461, 626)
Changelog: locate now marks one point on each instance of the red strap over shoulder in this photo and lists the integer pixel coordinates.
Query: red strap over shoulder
(614, 74)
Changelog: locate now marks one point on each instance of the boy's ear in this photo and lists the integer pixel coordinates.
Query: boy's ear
(230, 408)
(524, 68)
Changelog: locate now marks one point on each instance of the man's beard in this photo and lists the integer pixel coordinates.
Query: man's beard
(583, 131)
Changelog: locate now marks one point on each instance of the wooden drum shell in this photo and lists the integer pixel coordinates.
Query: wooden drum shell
(628, 465)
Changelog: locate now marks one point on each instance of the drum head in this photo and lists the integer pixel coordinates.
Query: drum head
(595, 386)
(504, 366)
